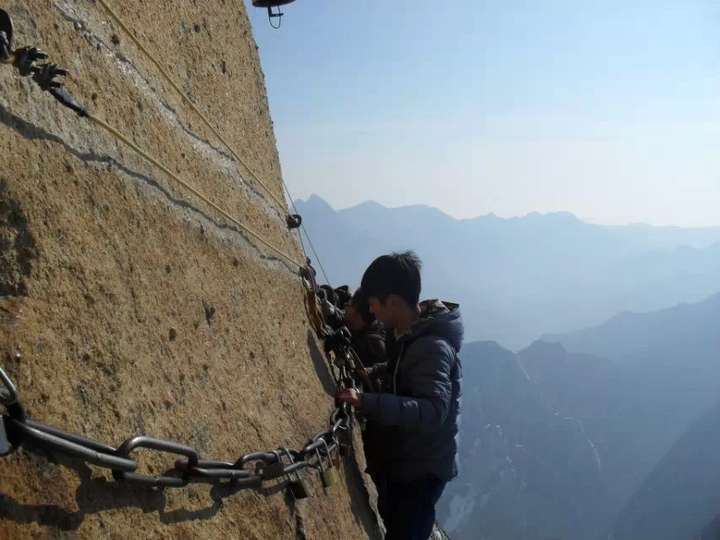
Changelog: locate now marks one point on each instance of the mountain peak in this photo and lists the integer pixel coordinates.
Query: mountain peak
(314, 203)
(554, 217)
(545, 348)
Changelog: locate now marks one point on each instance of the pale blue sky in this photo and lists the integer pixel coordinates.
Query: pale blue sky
(609, 110)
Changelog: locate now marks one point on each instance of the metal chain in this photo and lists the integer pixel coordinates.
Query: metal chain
(247, 471)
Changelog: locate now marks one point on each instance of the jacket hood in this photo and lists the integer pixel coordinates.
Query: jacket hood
(441, 319)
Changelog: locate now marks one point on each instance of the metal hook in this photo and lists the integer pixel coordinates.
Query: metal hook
(327, 447)
(6, 36)
(327, 456)
(25, 59)
(297, 486)
(10, 396)
(327, 475)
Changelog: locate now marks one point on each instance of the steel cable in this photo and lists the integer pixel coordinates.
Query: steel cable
(117, 134)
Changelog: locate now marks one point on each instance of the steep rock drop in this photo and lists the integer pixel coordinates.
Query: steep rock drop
(128, 306)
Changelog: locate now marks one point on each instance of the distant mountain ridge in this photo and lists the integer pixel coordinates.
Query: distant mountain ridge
(519, 278)
(668, 373)
(680, 499)
(627, 334)
(599, 434)
(527, 472)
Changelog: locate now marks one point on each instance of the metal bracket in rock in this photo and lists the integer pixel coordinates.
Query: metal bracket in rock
(8, 392)
(6, 36)
(294, 221)
(5, 447)
(26, 59)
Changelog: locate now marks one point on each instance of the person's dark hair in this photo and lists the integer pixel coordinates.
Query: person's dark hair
(343, 295)
(397, 273)
(360, 303)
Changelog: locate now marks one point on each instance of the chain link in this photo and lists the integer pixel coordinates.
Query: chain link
(248, 471)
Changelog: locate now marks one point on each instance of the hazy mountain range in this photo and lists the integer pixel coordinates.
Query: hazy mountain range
(519, 278)
(608, 427)
(610, 432)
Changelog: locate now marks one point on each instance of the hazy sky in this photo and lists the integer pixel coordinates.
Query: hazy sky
(610, 110)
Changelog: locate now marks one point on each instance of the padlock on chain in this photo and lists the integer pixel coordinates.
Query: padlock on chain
(274, 470)
(328, 475)
(296, 486)
(344, 444)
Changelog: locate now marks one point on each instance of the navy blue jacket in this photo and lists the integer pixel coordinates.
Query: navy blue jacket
(421, 403)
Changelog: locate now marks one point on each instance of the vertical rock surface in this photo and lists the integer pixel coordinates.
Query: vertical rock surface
(137, 309)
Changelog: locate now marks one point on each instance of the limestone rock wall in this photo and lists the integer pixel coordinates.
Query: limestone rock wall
(136, 308)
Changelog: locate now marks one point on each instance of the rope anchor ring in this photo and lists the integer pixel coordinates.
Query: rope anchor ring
(294, 221)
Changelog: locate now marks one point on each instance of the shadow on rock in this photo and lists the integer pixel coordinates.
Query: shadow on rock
(95, 495)
(359, 496)
(320, 365)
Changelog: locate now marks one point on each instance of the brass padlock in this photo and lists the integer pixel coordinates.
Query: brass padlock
(329, 477)
(296, 485)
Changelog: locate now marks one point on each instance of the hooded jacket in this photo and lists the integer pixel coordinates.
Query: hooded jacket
(421, 403)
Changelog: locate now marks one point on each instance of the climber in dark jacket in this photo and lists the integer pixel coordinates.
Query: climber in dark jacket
(368, 335)
(368, 341)
(420, 402)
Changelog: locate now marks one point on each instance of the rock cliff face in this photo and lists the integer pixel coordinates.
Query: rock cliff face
(137, 309)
